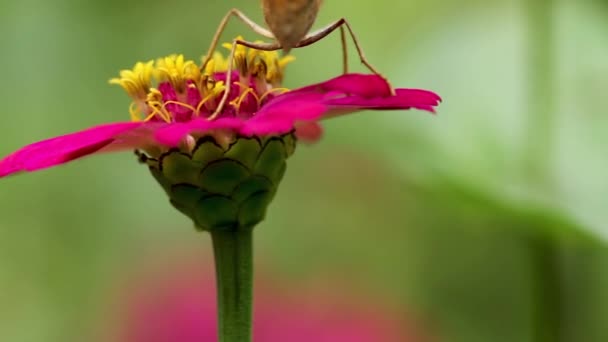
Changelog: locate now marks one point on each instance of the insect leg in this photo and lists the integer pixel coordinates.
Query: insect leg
(259, 46)
(344, 50)
(220, 29)
(324, 32)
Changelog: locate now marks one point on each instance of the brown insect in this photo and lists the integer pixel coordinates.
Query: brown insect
(289, 22)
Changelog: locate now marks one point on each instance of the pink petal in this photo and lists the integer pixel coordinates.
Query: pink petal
(352, 92)
(65, 148)
(282, 118)
(284, 112)
(279, 118)
(403, 99)
(173, 134)
(352, 84)
(344, 85)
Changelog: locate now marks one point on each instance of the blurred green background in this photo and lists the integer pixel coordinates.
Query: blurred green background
(486, 222)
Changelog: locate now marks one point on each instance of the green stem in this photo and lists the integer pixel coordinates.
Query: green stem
(547, 281)
(548, 285)
(233, 252)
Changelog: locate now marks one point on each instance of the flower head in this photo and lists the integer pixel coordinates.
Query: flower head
(229, 164)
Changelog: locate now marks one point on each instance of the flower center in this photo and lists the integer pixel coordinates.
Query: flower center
(183, 91)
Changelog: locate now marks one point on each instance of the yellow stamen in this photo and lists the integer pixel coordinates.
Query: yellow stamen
(270, 91)
(237, 101)
(158, 111)
(214, 92)
(134, 112)
(154, 100)
(185, 105)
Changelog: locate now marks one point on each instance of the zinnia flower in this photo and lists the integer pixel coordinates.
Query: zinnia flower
(220, 166)
(221, 170)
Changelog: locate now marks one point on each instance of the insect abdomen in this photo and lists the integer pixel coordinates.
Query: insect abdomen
(290, 20)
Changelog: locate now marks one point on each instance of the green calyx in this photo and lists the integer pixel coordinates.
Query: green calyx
(223, 187)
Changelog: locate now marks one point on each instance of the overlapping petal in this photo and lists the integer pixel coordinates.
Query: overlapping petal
(298, 109)
(172, 134)
(353, 92)
(65, 148)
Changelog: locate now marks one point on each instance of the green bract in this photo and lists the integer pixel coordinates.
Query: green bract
(224, 187)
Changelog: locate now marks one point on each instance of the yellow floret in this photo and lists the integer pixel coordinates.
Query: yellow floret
(136, 82)
(217, 63)
(250, 61)
(275, 66)
(176, 70)
(266, 68)
(242, 56)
